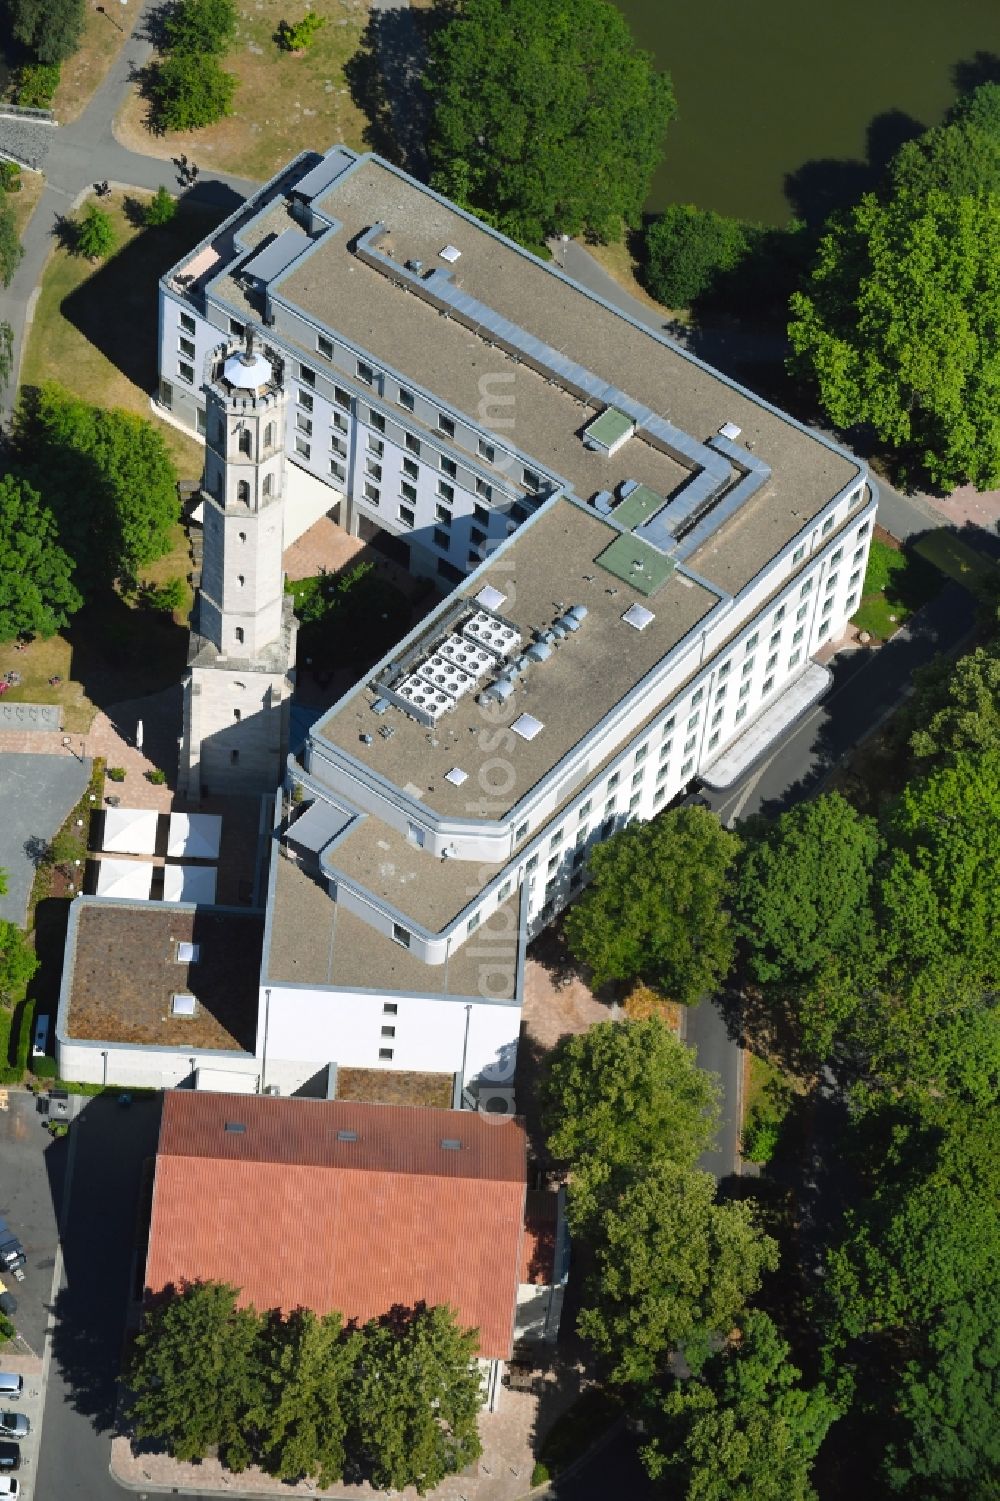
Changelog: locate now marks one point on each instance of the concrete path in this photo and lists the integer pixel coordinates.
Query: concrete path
(37, 793)
(80, 155)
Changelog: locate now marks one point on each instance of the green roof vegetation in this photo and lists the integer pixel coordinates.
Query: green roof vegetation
(636, 563)
(638, 507)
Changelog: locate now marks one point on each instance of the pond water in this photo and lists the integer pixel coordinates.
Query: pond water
(784, 107)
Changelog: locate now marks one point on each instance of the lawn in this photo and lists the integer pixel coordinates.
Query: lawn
(620, 264)
(25, 201)
(284, 103)
(897, 582)
(95, 327)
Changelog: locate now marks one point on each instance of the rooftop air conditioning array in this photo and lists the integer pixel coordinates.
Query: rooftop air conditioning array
(466, 654)
(430, 700)
(486, 630)
(443, 674)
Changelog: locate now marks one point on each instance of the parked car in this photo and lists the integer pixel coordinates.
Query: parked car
(9, 1486)
(10, 1456)
(41, 1039)
(11, 1384)
(14, 1425)
(8, 1302)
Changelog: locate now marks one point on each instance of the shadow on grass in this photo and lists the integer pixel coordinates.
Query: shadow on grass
(385, 77)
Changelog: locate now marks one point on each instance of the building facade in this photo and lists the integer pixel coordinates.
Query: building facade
(643, 562)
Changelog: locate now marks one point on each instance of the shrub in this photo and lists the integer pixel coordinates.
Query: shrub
(296, 38)
(539, 1474)
(95, 233)
(7, 1330)
(166, 597)
(201, 27)
(156, 776)
(116, 773)
(687, 249)
(190, 90)
(161, 208)
(35, 85)
(10, 177)
(45, 1067)
(766, 1119)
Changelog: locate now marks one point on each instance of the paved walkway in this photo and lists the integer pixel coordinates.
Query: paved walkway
(38, 792)
(80, 155)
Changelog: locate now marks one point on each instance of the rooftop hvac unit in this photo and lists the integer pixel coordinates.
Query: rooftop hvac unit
(539, 651)
(495, 635)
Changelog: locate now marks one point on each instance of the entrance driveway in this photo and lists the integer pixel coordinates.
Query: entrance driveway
(36, 794)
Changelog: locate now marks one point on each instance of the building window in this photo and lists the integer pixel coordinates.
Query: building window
(338, 445)
(186, 346)
(375, 446)
(237, 715)
(446, 491)
(234, 758)
(802, 612)
(487, 451)
(243, 491)
(476, 537)
(751, 641)
(342, 398)
(188, 325)
(658, 796)
(823, 630)
(302, 447)
(530, 863)
(185, 371)
(720, 694)
(483, 489)
(411, 468)
(724, 669)
(741, 713)
(408, 491)
(442, 514)
(405, 399)
(663, 772)
(304, 400)
(167, 397)
(338, 471)
(532, 481)
(798, 635)
(390, 1008)
(238, 633)
(766, 686)
(200, 418)
(775, 639)
(642, 753)
(859, 554)
(413, 444)
(442, 539)
(828, 525)
(799, 554)
(854, 578)
(697, 697)
(634, 802)
(837, 557)
(307, 376)
(794, 660)
(385, 1054)
(687, 768)
(665, 749)
(389, 1031)
(372, 494)
(806, 589)
(519, 513)
(827, 605)
(340, 422)
(613, 780)
(269, 435)
(831, 582)
(692, 721)
(584, 809)
(405, 515)
(447, 466)
(237, 329)
(445, 425)
(862, 531)
(851, 602)
(713, 740)
(401, 934)
(747, 668)
(473, 922)
(637, 778)
(303, 423)
(365, 372)
(778, 616)
(717, 716)
(246, 441)
(745, 690)
(324, 346)
(373, 470)
(376, 420)
(520, 832)
(771, 662)
(690, 744)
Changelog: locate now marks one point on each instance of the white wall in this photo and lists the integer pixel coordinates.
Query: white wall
(144, 1067)
(309, 1028)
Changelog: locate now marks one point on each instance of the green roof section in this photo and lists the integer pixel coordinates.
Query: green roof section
(637, 508)
(636, 563)
(611, 428)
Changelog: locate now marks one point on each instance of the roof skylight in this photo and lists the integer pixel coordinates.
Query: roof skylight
(527, 726)
(638, 617)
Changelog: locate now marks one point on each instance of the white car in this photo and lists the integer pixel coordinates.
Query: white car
(9, 1486)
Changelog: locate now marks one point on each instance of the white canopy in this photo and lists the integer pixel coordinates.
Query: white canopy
(130, 831)
(128, 880)
(189, 883)
(195, 835)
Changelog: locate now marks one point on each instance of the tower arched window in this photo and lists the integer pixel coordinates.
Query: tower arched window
(243, 491)
(246, 440)
(269, 435)
(268, 484)
(239, 635)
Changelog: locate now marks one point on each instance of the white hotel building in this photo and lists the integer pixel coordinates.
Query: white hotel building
(642, 561)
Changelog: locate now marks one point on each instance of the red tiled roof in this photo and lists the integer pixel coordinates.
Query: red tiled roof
(294, 1215)
(538, 1249)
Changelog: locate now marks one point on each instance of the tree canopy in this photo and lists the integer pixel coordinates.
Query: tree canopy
(655, 907)
(744, 1428)
(618, 1095)
(11, 249)
(673, 1270)
(95, 233)
(803, 889)
(200, 26)
(956, 706)
(18, 962)
(895, 329)
(190, 90)
(306, 1364)
(51, 29)
(37, 594)
(106, 476)
(546, 117)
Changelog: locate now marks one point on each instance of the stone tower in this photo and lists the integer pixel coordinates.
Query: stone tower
(242, 654)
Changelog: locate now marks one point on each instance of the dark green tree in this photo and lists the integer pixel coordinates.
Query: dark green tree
(895, 329)
(95, 233)
(938, 887)
(415, 1400)
(11, 249)
(655, 907)
(201, 27)
(673, 1270)
(194, 1375)
(546, 117)
(6, 355)
(37, 594)
(960, 157)
(108, 479)
(51, 29)
(307, 1365)
(161, 208)
(956, 706)
(615, 1098)
(190, 90)
(18, 962)
(689, 248)
(802, 894)
(747, 1428)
